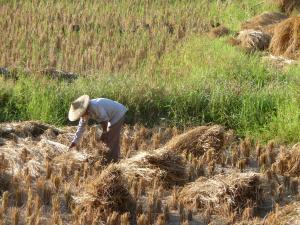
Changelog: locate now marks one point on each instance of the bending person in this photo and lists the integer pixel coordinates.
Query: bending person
(110, 114)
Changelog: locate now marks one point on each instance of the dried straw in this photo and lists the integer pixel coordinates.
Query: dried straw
(264, 22)
(288, 6)
(109, 191)
(32, 129)
(234, 189)
(201, 139)
(161, 163)
(286, 39)
(253, 40)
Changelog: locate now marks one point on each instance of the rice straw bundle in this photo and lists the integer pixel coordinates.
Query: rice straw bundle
(286, 39)
(288, 6)
(25, 129)
(253, 40)
(199, 140)
(264, 22)
(109, 191)
(235, 189)
(168, 166)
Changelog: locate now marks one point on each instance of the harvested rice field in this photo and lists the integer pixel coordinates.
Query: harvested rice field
(201, 175)
(211, 135)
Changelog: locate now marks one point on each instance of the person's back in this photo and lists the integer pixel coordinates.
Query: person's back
(106, 110)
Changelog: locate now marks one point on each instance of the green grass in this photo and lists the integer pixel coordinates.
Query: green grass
(194, 80)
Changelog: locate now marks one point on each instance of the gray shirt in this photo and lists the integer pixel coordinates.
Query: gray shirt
(101, 109)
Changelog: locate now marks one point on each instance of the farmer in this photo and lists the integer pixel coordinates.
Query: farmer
(108, 113)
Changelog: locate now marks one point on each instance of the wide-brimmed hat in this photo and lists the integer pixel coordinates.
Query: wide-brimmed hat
(78, 107)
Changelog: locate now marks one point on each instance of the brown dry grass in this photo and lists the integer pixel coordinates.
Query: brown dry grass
(286, 39)
(264, 22)
(288, 162)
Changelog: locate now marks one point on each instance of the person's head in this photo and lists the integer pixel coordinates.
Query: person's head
(79, 108)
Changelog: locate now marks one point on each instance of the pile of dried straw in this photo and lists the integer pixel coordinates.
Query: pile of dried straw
(201, 139)
(235, 189)
(253, 40)
(288, 6)
(286, 39)
(165, 165)
(109, 192)
(264, 22)
(25, 129)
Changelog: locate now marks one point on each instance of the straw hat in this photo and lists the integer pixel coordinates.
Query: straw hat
(78, 107)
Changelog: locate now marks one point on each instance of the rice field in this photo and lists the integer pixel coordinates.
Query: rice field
(212, 131)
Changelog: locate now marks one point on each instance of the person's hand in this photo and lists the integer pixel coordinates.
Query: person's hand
(72, 145)
(104, 136)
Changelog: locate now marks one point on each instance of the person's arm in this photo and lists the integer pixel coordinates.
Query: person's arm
(79, 133)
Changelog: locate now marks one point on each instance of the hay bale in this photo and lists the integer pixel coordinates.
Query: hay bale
(219, 32)
(163, 164)
(253, 40)
(264, 22)
(286, 39)
(288, 6)
(234, 189)
(201, 139)
(109, 191)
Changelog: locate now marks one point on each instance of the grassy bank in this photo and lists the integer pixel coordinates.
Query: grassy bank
(203, 81)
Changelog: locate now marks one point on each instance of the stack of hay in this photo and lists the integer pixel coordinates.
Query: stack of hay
(31, 129)
(253, 40)
(167, 166)
(257, 32)
(286, 39)
(288, 6)
(264, 22)
(235, 190)
(108, 192)
(201, 139)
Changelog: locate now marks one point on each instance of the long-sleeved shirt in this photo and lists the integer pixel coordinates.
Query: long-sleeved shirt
(100, 109)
